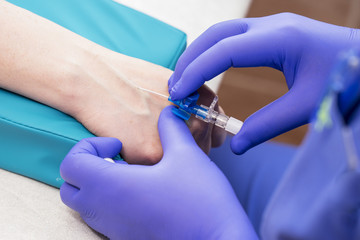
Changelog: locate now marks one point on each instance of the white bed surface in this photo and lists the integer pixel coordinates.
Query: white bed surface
(32, 210)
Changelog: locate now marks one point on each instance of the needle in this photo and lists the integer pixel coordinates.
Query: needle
(153, 92)
(204, 113)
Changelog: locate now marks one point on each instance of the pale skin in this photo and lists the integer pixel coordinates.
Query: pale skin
(45, 62)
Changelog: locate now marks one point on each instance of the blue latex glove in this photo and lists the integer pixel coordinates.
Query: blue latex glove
(318, 196)
(302, 48)
(335, 215)
(184, 196)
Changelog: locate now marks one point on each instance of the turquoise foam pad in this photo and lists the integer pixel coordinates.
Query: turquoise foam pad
(35, 138)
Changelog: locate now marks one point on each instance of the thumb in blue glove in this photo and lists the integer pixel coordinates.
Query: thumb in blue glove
(184, 196)
(302, 48)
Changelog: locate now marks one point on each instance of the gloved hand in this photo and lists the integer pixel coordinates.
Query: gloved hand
(302, 48)
(184, 196)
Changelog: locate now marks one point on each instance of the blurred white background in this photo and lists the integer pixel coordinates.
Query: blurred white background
(192, 16)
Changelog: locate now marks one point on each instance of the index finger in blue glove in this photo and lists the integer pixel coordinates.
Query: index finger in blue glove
(251, 49)
(69, 196)
(210, 37)
(174, 134)
(104, 147)
(264, 124)
(78, 164)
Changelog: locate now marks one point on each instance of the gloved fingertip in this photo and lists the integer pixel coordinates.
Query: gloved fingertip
(165, 114)
(174, 91)
(104, 147)
(239, 146)
(67, 194)
(238, 151)
(172, 129)
(170, 82)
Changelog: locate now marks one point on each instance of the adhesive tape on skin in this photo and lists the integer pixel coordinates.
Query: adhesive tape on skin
(109, 160)
(233, 125)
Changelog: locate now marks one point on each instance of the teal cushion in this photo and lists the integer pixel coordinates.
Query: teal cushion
(34, 138)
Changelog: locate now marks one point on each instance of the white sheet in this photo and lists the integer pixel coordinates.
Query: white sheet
(33, 210)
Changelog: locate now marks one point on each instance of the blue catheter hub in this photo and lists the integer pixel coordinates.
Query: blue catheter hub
(186, 106)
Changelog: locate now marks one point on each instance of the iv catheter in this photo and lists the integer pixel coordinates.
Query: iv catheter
(188, 106)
